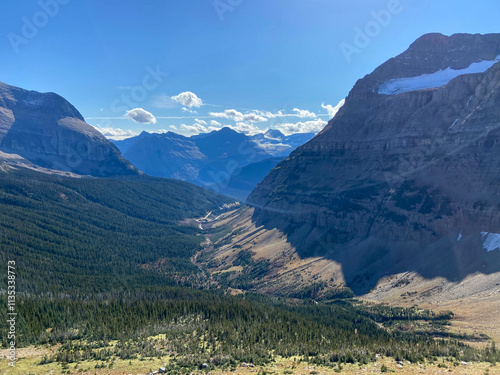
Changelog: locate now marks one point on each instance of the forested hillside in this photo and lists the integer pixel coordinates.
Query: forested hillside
(93, 235)
(189, 328)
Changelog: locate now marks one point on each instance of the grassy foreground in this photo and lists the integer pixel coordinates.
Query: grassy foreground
(29, 363)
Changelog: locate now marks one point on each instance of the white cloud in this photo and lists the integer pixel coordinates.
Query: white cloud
(332, 111)
(238, 116)
(200, 126)
(270, 114)
(215, 123)
(173, 127)
(141, 115)
(198, 121)
(195, 128)
(312, 126)
(115, 133)
(304, 113)
(188, 99)
(228, 113)
(248, 129)
(253, 117)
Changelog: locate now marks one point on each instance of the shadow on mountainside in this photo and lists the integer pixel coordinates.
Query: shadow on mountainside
(365, 261)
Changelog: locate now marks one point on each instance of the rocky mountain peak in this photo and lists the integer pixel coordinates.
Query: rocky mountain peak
(429, 54)
(274, 134)
(46, 130)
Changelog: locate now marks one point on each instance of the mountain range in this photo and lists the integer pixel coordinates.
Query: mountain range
(224, 160)
(403, 179)
(396, 200)
(44, 131)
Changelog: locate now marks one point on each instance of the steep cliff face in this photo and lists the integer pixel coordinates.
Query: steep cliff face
(411, 161)
(48, 131)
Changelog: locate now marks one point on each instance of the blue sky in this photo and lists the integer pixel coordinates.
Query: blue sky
(196, 65)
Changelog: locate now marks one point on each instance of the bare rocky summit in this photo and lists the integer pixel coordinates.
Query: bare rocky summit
(46, 130)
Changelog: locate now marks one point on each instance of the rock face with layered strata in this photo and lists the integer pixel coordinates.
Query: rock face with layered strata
(407, 167)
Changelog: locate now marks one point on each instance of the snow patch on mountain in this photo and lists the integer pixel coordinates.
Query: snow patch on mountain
(491, 241)
(432, 80)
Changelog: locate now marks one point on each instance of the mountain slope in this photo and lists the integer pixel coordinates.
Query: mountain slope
(205, 159)
(405, 177)
(211, 160)
(164, 155)
(49, 132)
(99, 234)
(226, 150)
(278, 144)
(243, 180)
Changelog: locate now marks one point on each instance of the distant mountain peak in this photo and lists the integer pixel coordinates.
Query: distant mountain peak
(226, 129)
(274, 134)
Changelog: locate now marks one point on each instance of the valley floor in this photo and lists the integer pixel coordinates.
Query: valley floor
(475, 300)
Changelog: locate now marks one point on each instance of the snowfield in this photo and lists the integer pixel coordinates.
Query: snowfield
(432, 80)
(491, 241)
